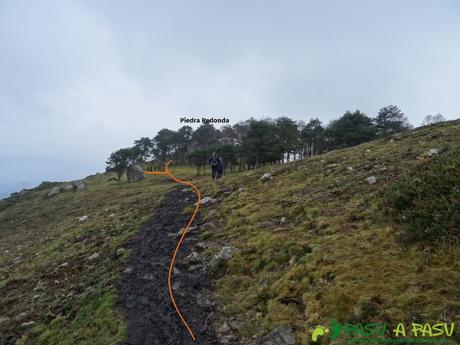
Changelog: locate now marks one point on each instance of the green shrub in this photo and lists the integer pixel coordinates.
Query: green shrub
(427, 201)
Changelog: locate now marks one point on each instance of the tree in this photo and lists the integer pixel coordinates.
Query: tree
(390, 119)
(432, 119)
(229, 155)
(163, 143)
(312, 138)
(144, 146)
(118, 162)
(262, 143)
(351, 129)
(182, 139)
(288, 134)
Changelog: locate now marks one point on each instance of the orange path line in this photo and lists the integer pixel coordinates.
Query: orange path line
(171, 265)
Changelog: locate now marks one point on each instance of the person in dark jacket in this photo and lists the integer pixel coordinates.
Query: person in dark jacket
(217, 166)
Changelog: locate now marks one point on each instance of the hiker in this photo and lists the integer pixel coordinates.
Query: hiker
(217, 166)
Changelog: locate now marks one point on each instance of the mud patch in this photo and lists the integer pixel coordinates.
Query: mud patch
(143, 293)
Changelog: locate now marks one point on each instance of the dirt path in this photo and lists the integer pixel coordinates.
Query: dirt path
(143, 291)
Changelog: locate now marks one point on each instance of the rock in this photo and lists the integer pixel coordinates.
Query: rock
(368, 150)
(94, 257)
(266, 177)
(218, 261)
(241, 189)
(128, 270)
(54, 191)
(207, 200)
(134, 173)
(120, 251)
(68, 187)
(193, 258)
(350, 169)
(83, 218)
(181, 231)
(283, 220)
(236, 325)
(433, 152)
(203, 301)
(282, 335)
(193, 268)
(20, 317)
(79, 186)
(28, 324)
(65, 264)
(371, 179)
(223, 329)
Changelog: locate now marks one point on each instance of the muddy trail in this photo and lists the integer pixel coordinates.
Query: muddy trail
(143, 292)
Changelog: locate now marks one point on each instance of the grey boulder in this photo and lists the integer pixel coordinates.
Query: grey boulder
(134, 173)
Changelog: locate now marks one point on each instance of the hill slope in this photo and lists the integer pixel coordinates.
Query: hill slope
(317, 241)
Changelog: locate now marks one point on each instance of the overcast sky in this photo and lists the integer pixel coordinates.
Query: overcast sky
(80, 79)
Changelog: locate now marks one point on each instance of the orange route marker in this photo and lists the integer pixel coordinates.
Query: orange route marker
(171, 265)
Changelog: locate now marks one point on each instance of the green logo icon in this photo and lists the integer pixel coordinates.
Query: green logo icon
(319, 331)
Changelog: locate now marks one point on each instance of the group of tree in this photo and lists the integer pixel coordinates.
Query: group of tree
(252, 143)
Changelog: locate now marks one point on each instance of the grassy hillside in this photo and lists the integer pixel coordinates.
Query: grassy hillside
(338, 253)
(317, 242)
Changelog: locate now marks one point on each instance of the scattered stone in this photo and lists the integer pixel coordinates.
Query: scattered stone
(266, 177)
(83, 218)
(79, 186)
(371, 179)
(120, 251)
(283, 220)
(433, 152)
(193, 268)
(292, 260)
(65, 264)
(200, 246)
(21, 316)
(219, 260)
(181, 231)
(206, 200)
(392, 141)
(223, 329)
(176, 271)
(350, 169)
(335, 165)
(54, 191)
(368, 150)
(94, 257)
(185, 190)
(192, 258)
(176, 286)
(4, 319)
(203, 301)
(35, 297)
(128, 270)
(241, 189)
(282, 335)
(236, 325)
(135, 173)
(28, 324)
